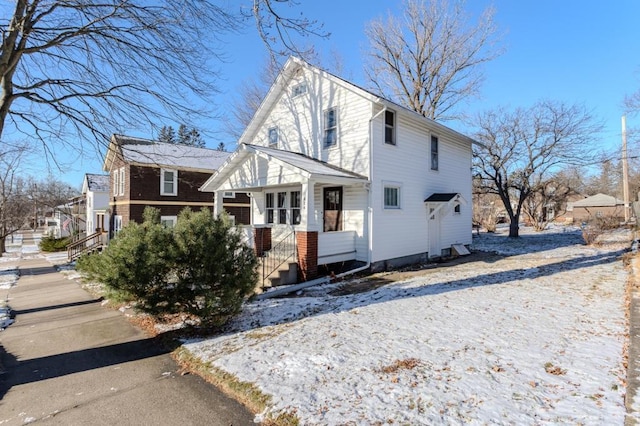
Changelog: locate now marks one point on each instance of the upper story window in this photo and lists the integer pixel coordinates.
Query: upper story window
(434, 153)
(269, 206)
(391, 197)
(273, 137)
(116, 186)
(330, 127)
(122, 181)
(390, 127)
(299, 90)
(168, 182)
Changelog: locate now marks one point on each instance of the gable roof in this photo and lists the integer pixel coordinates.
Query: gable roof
(153, 153)
(289, 70)
(310, 167)
(95, 183)
(599, 200)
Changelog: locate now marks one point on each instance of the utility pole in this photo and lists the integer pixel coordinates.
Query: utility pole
(625, 170)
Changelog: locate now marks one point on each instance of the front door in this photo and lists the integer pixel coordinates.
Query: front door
(333, 209)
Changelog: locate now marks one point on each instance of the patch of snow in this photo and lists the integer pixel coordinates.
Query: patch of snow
(532, 338)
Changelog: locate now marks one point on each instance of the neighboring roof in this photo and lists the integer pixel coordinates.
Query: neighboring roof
(149, 152)
(599, 200)
(95, 183)
(312, 168)
(288, 71)
(441, 197)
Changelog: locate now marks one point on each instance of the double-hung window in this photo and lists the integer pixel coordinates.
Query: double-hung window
(299, 90)
(116, 180)
(330, 127)
(269, 206)
(273, 137)
(282, 207)
(391, 196)
(121, 189)
(295, 207)
(168, 221)
(434, 153)
(168, 182)
(390, 127)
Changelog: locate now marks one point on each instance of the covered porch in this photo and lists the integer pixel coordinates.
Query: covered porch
(302, 209)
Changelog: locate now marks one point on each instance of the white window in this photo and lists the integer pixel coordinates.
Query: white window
(390, 127)
(269, 206)
(330, 127)
(168, 182)
(456, 209)
(229, 194)
(116, 187)
(121, 189)
(434, 153)
(273, 137)
(117, 224)
(299, 90)
(282, 207)
(168, 221)
(295, 207)
(391, 196)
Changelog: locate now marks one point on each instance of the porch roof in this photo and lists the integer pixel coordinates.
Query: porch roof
(444, 200)
(307, 167)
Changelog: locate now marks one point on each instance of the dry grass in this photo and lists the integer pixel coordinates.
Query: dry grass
(401, 364)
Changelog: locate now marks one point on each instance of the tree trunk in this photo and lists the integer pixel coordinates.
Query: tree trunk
(3, 245)
(514, 228)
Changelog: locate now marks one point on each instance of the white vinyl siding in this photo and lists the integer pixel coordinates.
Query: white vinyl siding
(168, 182)
(404, 232)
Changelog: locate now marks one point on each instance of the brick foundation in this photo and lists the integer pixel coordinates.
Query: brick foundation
(307, 243)
(262, 240)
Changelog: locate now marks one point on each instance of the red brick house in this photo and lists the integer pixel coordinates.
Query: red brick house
(166, 176)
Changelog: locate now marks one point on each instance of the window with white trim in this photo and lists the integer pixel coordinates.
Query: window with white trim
(456, 208)
(229, 194)
(434, 153)
(121, 189)
(391, 196)
(299, 90)
(273, 137)
(390, 127)
(116, 186)
(296, 217)
(330, 127)
(117, 224)
(282, 207)
(269, 206)
(168, 221)
(168, 182)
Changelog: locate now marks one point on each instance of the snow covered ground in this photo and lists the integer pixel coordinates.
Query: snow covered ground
(532, 337)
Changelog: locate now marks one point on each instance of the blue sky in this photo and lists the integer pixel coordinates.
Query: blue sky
(573, 51)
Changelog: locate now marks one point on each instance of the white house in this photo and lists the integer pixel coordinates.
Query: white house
(357, 177)
(95, 189)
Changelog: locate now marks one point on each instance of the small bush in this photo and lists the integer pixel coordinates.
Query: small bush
(51, 244)
(200, 268)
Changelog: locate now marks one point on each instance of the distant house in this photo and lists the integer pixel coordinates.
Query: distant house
(95, 190)
(350, 176)
(599, 205)
(165, 176)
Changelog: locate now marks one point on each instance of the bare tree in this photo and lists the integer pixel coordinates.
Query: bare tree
(430, 58)
(89, 69)
(15, 207)
(546, 202)
(521, 149)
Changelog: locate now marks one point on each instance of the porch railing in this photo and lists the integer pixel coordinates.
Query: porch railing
(282, 252)
(88, 244)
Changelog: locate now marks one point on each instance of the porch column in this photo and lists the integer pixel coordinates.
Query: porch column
(218, 206)
(307, 245)
(308, 219)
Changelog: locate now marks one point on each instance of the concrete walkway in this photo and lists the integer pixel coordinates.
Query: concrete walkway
(68, 360)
